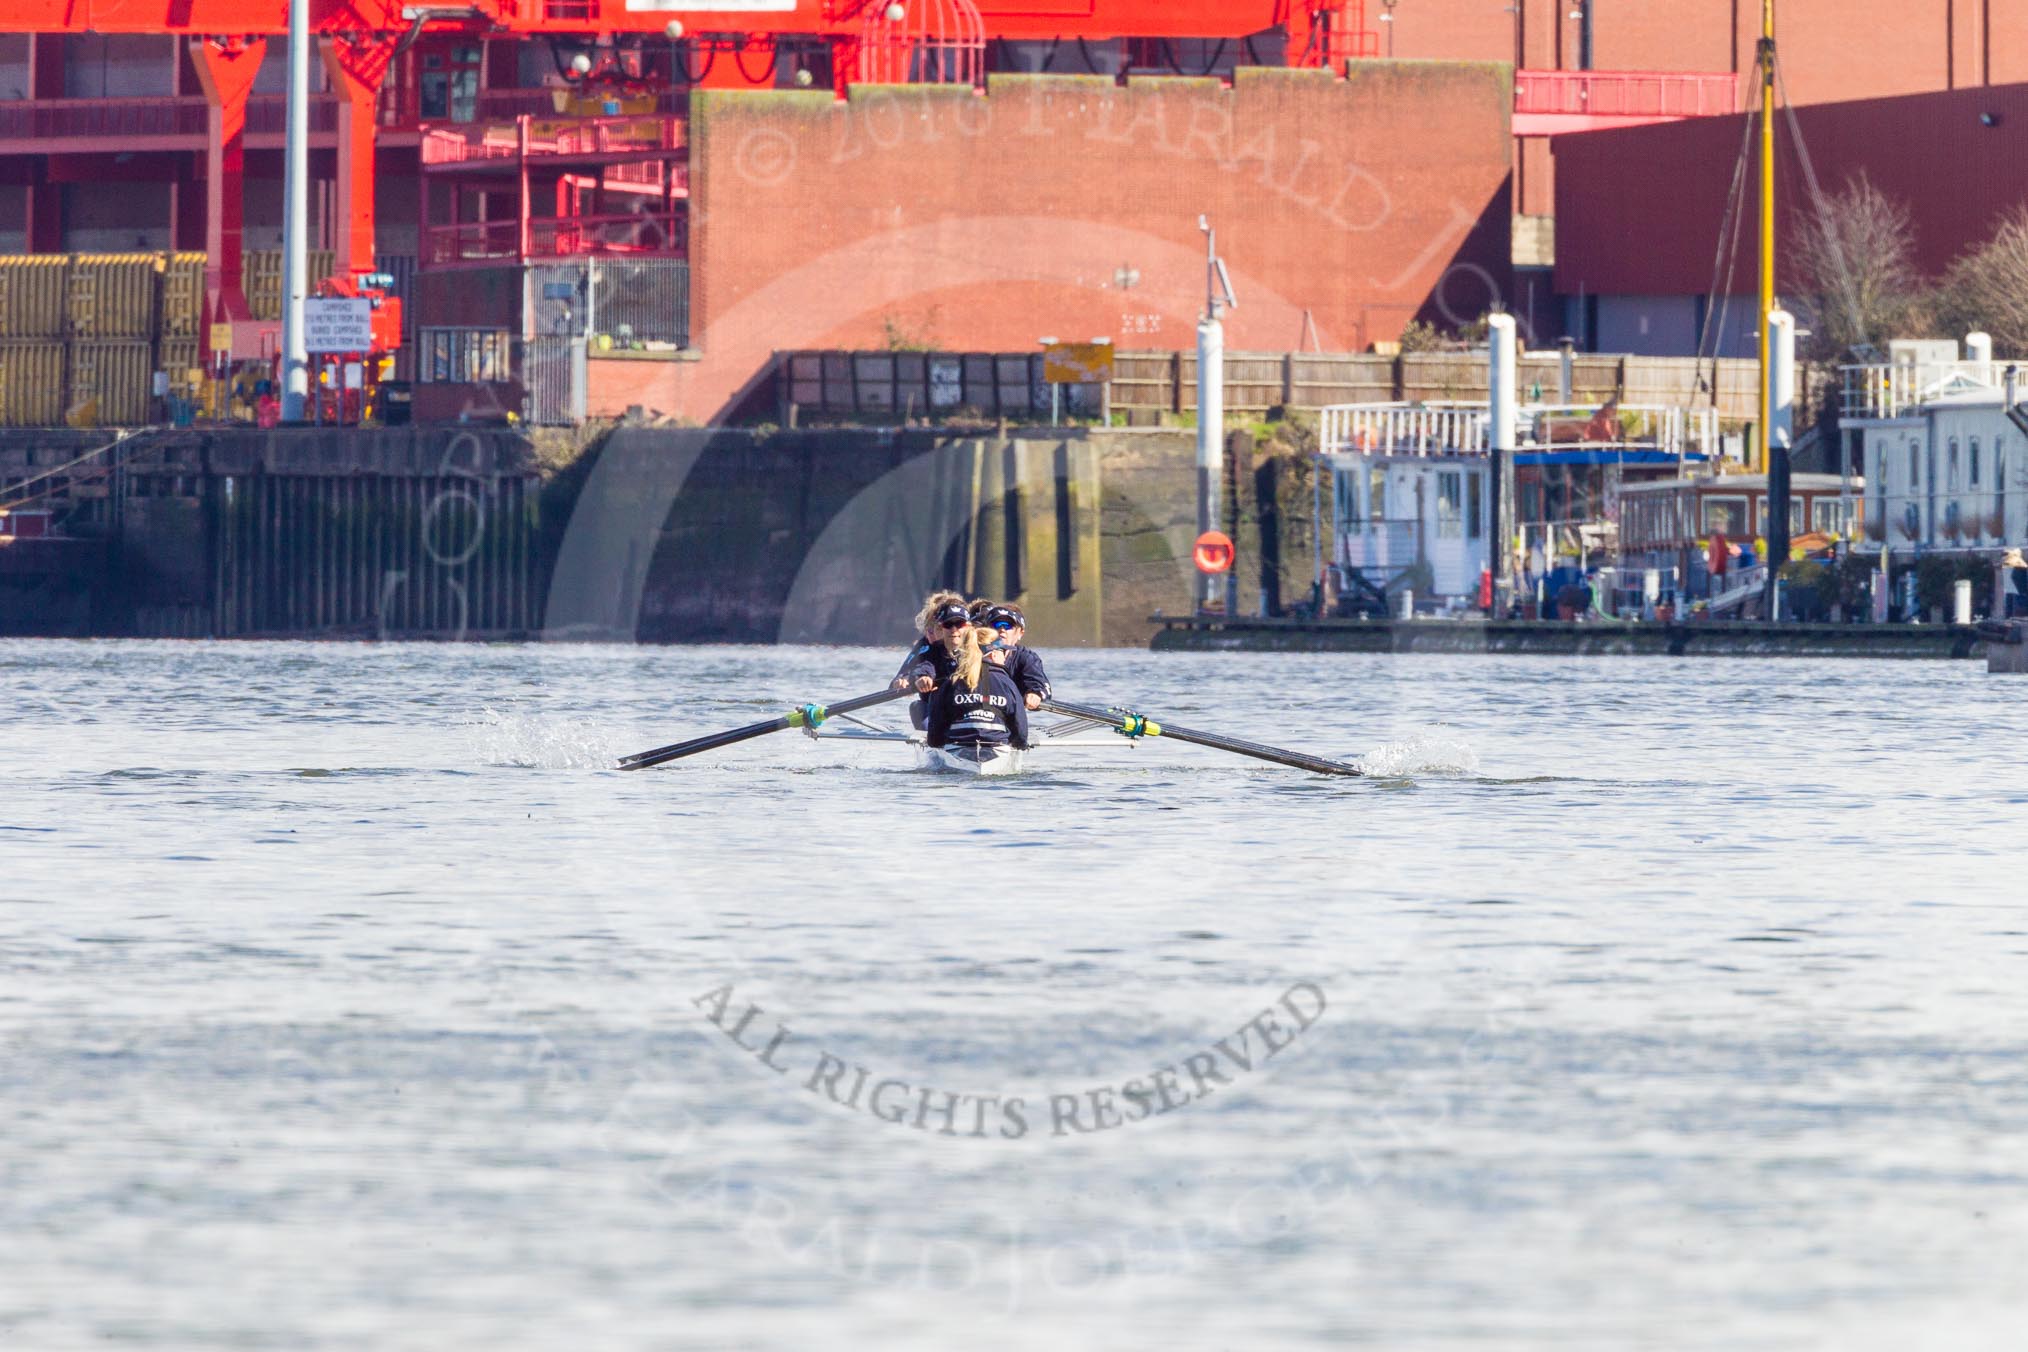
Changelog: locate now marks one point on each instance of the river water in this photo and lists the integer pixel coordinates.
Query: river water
(348, 1000)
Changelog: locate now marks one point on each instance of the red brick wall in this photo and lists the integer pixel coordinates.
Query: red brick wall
(1694, 35)
(983, 223)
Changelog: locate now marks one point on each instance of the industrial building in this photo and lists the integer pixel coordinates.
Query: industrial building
(590, 205)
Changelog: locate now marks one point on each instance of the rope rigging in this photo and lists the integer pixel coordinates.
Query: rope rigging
(1726, 261)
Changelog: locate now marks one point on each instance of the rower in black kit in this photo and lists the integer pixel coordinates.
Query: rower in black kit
(978, 708)
(930, 662)
(1023, 664)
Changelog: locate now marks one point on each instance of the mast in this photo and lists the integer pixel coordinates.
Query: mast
(1767, 225)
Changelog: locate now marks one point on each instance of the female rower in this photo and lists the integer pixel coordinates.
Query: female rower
(979, 706)
(930, 663)
(1023, 664)
(934, 624)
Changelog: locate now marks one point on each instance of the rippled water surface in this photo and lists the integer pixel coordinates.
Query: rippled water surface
(348, 1001)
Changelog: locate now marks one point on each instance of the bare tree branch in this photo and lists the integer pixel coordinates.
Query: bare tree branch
(1987, 288)
(1854, 255)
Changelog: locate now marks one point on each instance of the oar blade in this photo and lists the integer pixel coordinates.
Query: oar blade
(1125, 719)
(807, 716)
(646, 760)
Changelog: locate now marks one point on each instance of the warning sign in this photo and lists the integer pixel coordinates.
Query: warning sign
(343, 325)
(1077, 363)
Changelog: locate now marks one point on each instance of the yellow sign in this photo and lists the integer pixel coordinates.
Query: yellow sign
(1077, 363)
(221, 338)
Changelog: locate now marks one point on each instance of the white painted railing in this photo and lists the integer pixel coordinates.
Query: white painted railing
(1889, 391)
(1466, 429)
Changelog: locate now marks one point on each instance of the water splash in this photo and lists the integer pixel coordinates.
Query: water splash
(1422, 753)
(539, 742)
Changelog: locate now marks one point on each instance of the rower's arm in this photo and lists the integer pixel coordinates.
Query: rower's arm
(1016, 719)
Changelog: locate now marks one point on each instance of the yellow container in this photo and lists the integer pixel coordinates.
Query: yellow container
(264, 279)
(117, 376)
(31, 383)
(183, 295)
(113, 295)
(32, 291)
(180, 361)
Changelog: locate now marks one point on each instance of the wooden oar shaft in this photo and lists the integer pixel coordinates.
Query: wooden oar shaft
(642, 760)
(1239, 747)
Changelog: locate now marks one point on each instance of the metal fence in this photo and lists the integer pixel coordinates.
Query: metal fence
(553, 373)
(612, 302)
(464, 355)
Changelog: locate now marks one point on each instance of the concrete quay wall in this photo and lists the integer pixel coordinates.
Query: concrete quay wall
(1559, 638)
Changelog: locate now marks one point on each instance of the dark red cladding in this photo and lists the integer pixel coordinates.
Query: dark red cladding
(1638, 211)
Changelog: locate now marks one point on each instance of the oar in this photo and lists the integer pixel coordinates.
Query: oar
(809, 716)
(1137, 725)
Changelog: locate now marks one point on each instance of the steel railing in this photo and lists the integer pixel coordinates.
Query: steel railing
(651, 234)
(1621, 93)
(52, 119)
(578, 136)
(1884, 390)
(49, 119)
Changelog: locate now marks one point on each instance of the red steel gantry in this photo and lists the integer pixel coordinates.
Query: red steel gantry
(867, 40)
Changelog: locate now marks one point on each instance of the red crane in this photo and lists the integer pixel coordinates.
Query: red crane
(876, 40)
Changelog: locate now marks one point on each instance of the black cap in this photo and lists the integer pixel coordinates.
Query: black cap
(952, 613)
(1004, 617)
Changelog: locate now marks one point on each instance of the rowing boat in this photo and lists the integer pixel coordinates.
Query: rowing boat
(1046, 736)
(971, 760)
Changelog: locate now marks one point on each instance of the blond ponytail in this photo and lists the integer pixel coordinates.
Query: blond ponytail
(971, 659)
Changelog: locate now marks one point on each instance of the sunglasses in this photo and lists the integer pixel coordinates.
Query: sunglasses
(1004, 625)
(954, 624)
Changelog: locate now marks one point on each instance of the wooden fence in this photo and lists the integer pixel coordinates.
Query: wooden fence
(938, 384)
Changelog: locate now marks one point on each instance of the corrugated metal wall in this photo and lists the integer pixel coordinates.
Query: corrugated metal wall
(182, 295)
(31, 382)
(117, 375)
(86, 333)
(32, 295)
(263, 279)
(113, 295)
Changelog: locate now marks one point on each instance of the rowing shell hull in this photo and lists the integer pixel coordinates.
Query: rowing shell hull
(971, 760)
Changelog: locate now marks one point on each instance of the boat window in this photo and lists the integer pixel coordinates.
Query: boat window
(1450, 504)
(1951, 465)
(1376, 494)
(1973, 465)
(1914, 465)
(1826, 516)
(1475, 506)
(1725, 516)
